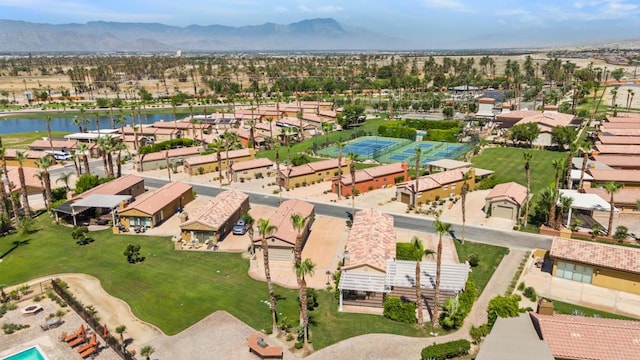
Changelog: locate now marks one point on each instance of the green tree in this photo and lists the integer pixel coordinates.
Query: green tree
(526, 133)
(621, 233)
(86, 182)
(504, 306)
(302, 269)
(617, 74)
(249, 221)
(340, 146)
(463, 197)
(298, 223)
(120, 330)
(23, 186)
(611, 188)
(45, 163)
(147, 351)
(563, 136)
(418, 253)
(265, 229)
(64, 178)
(351, 115)
(527, 174)
(416, 189)
(352, 170)
(448, 112)
(441, 229)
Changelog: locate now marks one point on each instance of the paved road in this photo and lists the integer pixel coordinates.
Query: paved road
(511, 239)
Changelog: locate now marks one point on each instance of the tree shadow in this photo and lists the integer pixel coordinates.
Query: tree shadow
(85, 241)
(280, 297)
(16, 244)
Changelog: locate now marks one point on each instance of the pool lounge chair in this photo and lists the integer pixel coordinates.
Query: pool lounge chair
(75, 334)
(92, 342)
(80, 340)
(89, 352)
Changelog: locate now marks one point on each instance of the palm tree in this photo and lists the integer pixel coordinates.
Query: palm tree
(120, 330)
(558, 165)
(304, 268)
(147, 351)
(265, 229)
(611, 189)
(3, 196)
(64, 178)
(584, 146)
(12, 200)
(218, 144)
(441, 229)
(418, 151)
(249, 222)
(47, 120)
(119, 146)
(419, 252)
(340, 146)
(326, 128)
(573, 147)
(527, 174)
(23, 186)
(231, 142)
(45, 163)
(463, 196)
(83, 148)
(564, 204)
(298, 222)
(352, 170)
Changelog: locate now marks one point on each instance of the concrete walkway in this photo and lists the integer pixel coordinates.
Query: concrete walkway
(388, 346)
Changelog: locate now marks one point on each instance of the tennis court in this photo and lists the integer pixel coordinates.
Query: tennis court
(367, 147)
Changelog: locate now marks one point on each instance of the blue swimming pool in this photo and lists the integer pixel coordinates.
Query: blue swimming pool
(32, 353)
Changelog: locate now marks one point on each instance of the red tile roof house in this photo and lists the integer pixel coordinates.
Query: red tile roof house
(34, 186)
(252, 169)
(546, 121)
(312, 172)
(378, 177)
(158, 160)
(624, 199)
(506, 201)
(370, 271)
(283, 240)
(604, 149)
(571, 337)
(215, 219)
(619, 132)
(619, 140)
(435, 186)
(153, 207)
(209, 162)
(630, 179)
(609, 266)
(620, 162)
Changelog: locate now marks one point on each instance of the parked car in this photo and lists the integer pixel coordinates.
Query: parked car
(239, 228)
(61, 155)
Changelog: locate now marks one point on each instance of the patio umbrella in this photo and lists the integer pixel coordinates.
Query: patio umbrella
(105, 332)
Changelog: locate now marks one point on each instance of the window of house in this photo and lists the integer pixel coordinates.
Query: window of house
(446, 187)
(453, 186)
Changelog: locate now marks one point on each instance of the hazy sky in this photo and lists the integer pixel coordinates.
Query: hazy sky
(422, 23)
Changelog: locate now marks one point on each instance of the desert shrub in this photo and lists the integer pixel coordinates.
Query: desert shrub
(397, 310)
(10, 328)
(477, 333)
(448, 350)
(530, 293)
(521, 286)
(473, 260)
(200, 170)
(405, 251)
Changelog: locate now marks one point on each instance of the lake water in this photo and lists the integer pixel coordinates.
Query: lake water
(38, 124)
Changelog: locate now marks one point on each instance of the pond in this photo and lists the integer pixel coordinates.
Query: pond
(65, 124)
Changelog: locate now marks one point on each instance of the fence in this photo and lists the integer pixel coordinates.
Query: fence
(91, 321)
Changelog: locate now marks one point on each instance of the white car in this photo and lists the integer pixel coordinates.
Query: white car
(61, 155)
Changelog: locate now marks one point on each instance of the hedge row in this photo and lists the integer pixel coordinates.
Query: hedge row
(405, 251)
(397, 129)
(448, 350)
(432, 124)
(165, 145)
(465, 303)
(397, 310)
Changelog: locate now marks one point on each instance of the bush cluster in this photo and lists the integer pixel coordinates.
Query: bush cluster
(405, 251)
(397, 310)
(165, 145)
(465, 303)
(448, 350)
(530, 293)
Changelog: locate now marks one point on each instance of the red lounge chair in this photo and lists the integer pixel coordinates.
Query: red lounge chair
(92, 350)
(92, 342)
(78, 341)
(75, 334)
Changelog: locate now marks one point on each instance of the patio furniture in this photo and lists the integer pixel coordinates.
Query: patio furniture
(92, 342)
(75, 334)
(258, 346)
(31, 309)
(51, 323)
(89, 352)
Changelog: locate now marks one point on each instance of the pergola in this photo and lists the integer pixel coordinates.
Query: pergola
(75, 208)
(584, 201)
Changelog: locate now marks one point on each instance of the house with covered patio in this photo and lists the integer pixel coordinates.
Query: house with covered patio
(370, 270)
(283, 240)
(153, 207)
(211, 222)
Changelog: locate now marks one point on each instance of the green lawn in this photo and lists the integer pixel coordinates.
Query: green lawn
(175, 289)
(489, 257)
(21, 140)
(508, 164)
(566, 308)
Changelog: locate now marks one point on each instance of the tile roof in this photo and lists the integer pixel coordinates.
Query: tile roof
(619, 132)
(617, 149)
(628, 114)
(622, 197)
(449, 164)
(621, 161)
(371, 241)
(211, 158)
(113, 187)
(251, 164)
(153, 201)
(604, 255)
(30, 178)
(313, 167)
(623, 119)
(281, 218)
(619, 140)
(632, 176)
(179, 124)
(374, 172)
(621, 125)
(218, 210)
(586, 338)
(57, 144)
(437, 180)
(314, 118)
(161, 155)
(511, 191)
(551, 119)
(28, 154)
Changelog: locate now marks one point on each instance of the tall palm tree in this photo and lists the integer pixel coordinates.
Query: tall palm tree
(218, 144)
(64, 178)
(3, 196)
(231, 142)
(119, 147)
(304, 268)
(12, 201)
(298, 222)
(573, 147)
(83, 148)
(463, 197)
(340, 146)
(441, 229)
(265, 229)
(45, 163)
(558, 165)
(47, 120)
(76, 165)
(23, 186)
(584, 146)
(352, 170)
(611, 189)
(419, 251)
(527, 174)
(418, 151)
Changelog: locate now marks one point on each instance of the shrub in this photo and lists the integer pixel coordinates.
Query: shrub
(521, 286)
(448, 350)
(10, 328)
(404, 251)
(477, 333)
(397, 310)
(530, 293)
(299, 345)
(200, 170)
(473, 260)
(503, 306)
(398, 179)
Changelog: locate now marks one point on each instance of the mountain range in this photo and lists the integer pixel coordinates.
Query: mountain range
(101, 36)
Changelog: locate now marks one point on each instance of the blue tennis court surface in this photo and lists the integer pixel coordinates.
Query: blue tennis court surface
(398, 157)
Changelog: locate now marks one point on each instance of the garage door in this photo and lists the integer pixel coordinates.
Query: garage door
(504, 212)
(280, 254)
(405, 198)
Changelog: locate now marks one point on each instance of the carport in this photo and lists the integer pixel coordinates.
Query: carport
(584, 202)
(74, 208)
